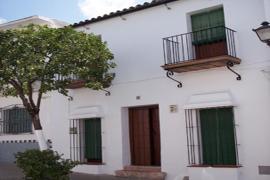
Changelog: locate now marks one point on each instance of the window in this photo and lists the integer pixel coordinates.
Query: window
(86, 140)
(15, 120)
(208, 27)
(211, 137)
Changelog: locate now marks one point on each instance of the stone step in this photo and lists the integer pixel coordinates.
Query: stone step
(143, 168)
(141, 174)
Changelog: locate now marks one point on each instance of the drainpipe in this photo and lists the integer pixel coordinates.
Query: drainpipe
(267, 10)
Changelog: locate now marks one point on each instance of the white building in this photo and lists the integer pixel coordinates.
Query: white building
(41, 20)
(214, 127)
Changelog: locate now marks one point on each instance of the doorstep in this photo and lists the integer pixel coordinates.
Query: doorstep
(147, 172)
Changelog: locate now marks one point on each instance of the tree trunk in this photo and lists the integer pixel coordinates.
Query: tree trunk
(43, 145)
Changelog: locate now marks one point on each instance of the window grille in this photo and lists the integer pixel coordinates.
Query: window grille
(15, 120)
(85, 140)
(206, 143)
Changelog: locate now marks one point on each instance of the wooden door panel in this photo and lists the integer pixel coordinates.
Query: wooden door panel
(211, 50)
(155, 136)
(144, 136)
(140, 137)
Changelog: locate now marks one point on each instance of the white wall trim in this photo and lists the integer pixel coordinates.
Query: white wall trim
(208, 100)
(83, 112)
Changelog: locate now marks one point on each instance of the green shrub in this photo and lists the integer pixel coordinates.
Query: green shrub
(44, 165)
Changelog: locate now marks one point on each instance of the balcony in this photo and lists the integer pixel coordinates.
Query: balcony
(76, 82)
(204, 49)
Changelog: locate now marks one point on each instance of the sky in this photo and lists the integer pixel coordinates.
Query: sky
(70, 11)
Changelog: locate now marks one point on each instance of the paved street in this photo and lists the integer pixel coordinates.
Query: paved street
(11, 172)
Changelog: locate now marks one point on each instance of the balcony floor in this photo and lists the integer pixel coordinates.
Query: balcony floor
(77, 84)
(199, 64)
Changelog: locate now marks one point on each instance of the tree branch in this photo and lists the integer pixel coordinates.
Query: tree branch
(39, 98)
(21, 95)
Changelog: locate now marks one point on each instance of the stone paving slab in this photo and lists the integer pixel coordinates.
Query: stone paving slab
(80, 176)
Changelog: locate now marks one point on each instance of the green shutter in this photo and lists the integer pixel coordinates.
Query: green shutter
(217, 134)
(209, 136)
(208, 20)
(226, 136)
(93, 150)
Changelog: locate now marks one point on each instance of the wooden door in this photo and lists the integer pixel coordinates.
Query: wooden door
(144, 136)
(155, 136)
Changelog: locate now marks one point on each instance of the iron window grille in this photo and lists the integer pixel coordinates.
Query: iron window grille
(15, 120)
(195, 141)
(79, 141)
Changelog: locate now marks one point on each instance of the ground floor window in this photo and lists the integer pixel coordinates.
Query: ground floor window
(211, 137)
(86, 140)
(15, 120)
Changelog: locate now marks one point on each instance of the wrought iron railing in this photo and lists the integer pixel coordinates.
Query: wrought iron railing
(201, 44)
(70, 77)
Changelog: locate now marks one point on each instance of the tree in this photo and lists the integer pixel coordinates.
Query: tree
(50, 58)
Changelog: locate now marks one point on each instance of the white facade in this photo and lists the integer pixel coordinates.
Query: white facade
(136, 42)
(53, 23)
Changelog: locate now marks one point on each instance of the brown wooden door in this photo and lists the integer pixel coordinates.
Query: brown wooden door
(144, 136)
(155, 136)
(211, 50)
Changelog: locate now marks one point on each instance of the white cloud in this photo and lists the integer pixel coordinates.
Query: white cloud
(2, 20)
(93, 8)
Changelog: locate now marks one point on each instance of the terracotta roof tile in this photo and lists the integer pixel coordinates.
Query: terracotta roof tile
(124, 11)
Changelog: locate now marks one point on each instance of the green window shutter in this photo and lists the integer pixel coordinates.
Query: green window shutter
(216, 18)
(209, 136)
(226, 136)
(217, 135)
(208, 20)
(93, 147)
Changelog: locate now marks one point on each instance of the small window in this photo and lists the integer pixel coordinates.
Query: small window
(211, 137)
(15, 121)
(86, 140)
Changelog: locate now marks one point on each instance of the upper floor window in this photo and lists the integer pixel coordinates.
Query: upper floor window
(15, 120)
(208, 26)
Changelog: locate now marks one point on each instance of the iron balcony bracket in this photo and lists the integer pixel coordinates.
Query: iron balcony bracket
(170, 74)
(231, 64)
(108, 93)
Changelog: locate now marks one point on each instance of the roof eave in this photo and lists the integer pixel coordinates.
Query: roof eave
(122, 12)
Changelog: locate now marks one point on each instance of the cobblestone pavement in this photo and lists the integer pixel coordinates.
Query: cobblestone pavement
(12, 172)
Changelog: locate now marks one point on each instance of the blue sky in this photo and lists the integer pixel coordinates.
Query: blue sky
(70, 11)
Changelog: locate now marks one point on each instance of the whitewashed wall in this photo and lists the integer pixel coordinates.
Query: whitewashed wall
(137, 45)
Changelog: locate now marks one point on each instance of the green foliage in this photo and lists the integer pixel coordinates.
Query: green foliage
(44, 165)
(51, 56)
